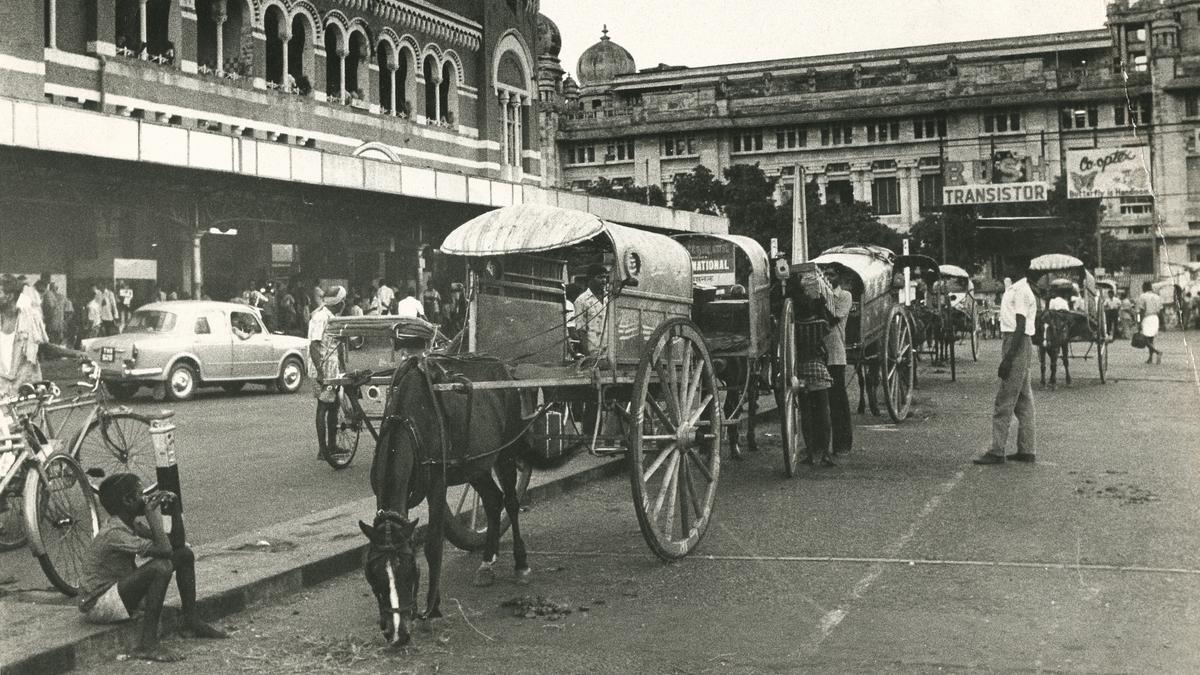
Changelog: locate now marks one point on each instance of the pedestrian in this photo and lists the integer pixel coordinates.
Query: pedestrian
(286, 311)
(114, 587)
(1185, 309)
(812, 321)
(591, 311)
(355, 307)
(409, 306)
(95, 312)
(839, 301)
(1112, 313)
(323, 366)
(431, 300)
(455, 311)
(314, 298)
(52, 312)
(124, 297)
(23, 339)
(1194, 308)
(1149, 307)
(385, 296)
(70, 325)
(1018, 312)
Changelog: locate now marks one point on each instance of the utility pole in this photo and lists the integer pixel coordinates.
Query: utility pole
(941, 165)
(799, 219)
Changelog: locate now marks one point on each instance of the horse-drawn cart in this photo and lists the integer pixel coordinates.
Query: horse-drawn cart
(879, 339)
(964, 316)
(1083, 322)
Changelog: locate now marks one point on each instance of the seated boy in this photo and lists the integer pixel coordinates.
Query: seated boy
(114, 586)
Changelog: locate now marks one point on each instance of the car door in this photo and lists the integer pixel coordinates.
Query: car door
(252, 351)
(211, 342)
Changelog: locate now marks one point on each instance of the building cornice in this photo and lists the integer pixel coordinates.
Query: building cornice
(979, 49)
(425, 17)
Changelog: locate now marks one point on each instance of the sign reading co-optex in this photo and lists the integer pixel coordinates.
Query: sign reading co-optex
(1108, 172)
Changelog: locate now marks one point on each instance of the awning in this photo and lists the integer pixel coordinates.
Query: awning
(523, 228)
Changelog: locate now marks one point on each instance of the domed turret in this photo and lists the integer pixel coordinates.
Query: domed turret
(549, 37)
(603, 62)
(570, 89)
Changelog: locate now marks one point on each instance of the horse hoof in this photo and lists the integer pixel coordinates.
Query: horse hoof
(484, 577)
(523, 576)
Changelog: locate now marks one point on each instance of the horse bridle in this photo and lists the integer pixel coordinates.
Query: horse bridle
(383, 551)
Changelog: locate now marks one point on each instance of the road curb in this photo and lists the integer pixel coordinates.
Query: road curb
(80, 645)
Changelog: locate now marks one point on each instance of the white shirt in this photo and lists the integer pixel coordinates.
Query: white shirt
(1059, 304)
(327, 353)
(385, 295)
(592, 313)
(1018, 299)
(8, 343)
(1149, 303)
(410, 308)
(839, 301)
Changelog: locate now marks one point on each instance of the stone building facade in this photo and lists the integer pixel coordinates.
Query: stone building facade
(223, 143)
(892, 127)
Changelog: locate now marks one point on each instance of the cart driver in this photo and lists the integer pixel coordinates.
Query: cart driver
(591, 310)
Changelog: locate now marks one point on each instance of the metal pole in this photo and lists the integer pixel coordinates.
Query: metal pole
(799, 220)
(162, 433)
(197, 256)
(941, 163)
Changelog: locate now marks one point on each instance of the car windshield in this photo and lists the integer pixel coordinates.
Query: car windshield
(150, 321)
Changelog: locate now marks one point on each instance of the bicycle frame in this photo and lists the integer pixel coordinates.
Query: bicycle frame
(27, 458)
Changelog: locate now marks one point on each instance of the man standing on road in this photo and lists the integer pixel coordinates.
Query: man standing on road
(1112, 312)
(384, 296)
(839, 301)
(1149, 307)
(1018, 311)
(323, 366)
(409, 306)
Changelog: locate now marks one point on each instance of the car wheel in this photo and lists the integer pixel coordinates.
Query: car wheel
(181, 382)
(291, 375)
(232, 387)
(122, 391)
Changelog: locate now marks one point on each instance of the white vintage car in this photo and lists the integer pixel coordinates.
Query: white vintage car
(185, 344)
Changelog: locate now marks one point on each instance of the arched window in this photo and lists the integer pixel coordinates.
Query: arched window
(406, 83)
(237, 41)
(357, 65)
(448, 93)
(158, 18)
(431, 72)
(333, 61)
(275, 22)
(386, 60)
(207, 28)
(298, 47)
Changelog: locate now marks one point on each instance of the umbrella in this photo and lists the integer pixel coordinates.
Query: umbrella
(1054, 261)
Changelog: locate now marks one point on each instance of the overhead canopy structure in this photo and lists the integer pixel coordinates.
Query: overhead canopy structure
(523, 228)
(953, 271)
(1054, 261)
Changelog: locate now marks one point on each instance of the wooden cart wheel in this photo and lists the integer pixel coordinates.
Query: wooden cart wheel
(952, 338)
(675, 439)
(1102, 345)
(787, 393)
(898, 363)
(466, 521)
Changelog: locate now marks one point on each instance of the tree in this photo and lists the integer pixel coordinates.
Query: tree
(747, 199)
(698, 191)
(832, 225)
(653, 195)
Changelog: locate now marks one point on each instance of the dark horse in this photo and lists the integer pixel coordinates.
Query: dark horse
(1054, 328)
(429, 441)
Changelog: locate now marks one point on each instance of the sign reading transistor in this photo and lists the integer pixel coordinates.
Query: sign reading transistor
(712, 263)
(998, 193)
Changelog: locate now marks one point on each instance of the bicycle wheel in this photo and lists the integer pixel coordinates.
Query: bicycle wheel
(350, 423)
(62, 519)
(117, 443)
(466, 522)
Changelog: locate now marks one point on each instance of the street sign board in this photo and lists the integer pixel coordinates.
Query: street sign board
(712, 263)
(994, 193)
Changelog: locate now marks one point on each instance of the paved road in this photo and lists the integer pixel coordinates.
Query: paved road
(905, 558)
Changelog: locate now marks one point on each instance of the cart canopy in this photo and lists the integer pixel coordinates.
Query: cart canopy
(953, 271)
(523, 228)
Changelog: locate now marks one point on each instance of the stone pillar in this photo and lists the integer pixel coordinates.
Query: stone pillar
(341, 57)
(182, 34)
(367, 84)
(219, 20)
(258, 69)
(52, 24)
(822, 184)
(392, 67)
(904, 174)
(519, 140)
(504, 149)
(284, 39)
(101, 37)
(437, 96)
(141, 22)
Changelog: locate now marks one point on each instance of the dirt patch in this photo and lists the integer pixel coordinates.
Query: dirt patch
(540, 607)
(1107, 486)
(264, 546)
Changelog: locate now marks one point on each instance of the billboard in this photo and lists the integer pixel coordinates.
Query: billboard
(1108, 172)
(1009, 176)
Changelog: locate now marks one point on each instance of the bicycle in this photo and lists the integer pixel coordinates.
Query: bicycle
(46, 499)
(112, 438)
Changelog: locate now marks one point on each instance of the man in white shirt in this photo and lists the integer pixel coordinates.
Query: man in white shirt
(1149, 305)
(410, 307)
(323, 366)
(591, 311)
(839, 302)
(384, 297)
(1018, 312)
